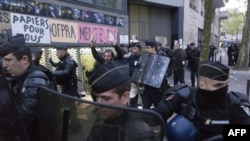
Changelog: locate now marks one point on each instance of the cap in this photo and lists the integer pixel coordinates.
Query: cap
(159, 43)
(151, 43)
(17, 40)
(36, 50)
(214, 70)
(192, 43)
(14, 43)
(61, 47)
(109, 76)
(136, 45)
(7, 48)
(122, 45)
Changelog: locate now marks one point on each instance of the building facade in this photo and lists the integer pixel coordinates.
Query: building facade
(170, 21)
(47, 23)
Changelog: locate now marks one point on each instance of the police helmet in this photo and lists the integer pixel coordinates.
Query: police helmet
(180, 129)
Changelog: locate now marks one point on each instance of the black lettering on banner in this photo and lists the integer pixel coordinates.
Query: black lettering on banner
(4, 18)
(33, 27)
(41, 31)
(15, 19)
(31, 20)
(63, 31)
(236, 132)
(33, 38)
(52, 30)
(44, 23)
(22, 20)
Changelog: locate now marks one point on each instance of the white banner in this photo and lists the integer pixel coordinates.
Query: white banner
(35, 29)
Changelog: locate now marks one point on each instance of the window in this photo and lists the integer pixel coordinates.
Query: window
(109, 5)
(86, 1)
(114, 4)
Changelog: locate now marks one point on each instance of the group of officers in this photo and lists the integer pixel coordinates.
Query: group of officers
(179, 58)
(207, 107)
(202, 109)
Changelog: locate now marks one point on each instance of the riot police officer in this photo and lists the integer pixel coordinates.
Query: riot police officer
(65, 72)
(26, 78)
(151, 95)
(65, 76)
(193, 57)
(113, 124)
(133, 61)
(210, 106)
(178, 59)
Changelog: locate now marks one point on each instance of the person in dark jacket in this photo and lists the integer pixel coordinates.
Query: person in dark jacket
(65, 72)
(108, 54)
(230, 52)
(133, 61)
(36, 54)
(210, 106)
(235, 53)
(151, 95)
(65, 76)
(112, 124)
(26, 78)
(178, 61)
(212, 49)
(193, 57)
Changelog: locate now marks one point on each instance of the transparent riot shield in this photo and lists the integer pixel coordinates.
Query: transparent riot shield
(11, 125)
(151, 69)
(65, 118)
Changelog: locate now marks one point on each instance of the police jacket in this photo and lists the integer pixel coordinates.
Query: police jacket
(133, 61)
(193, 57)
(25, 93)
(178, 57)
(65, 72)
(209, 120)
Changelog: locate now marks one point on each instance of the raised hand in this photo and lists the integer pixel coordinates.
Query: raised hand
(111, 38)
(92, 39)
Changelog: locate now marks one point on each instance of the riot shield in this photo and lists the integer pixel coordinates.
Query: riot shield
(11, 125)
(65, 118)
(151, 70)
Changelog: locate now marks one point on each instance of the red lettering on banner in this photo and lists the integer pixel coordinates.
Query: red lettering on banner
(100, 33)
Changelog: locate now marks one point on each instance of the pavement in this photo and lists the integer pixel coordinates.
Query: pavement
(238, 79)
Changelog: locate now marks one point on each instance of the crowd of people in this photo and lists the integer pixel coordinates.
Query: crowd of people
(206, 104)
